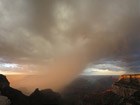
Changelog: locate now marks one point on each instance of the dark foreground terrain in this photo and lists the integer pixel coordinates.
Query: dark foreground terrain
(85, 90)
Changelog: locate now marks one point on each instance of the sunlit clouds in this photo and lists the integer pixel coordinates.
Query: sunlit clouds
(108, 66)
(93, 71)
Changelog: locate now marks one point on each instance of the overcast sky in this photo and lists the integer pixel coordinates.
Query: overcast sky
(99, 36)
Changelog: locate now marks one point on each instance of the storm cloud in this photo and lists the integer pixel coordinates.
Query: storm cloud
(64, 36)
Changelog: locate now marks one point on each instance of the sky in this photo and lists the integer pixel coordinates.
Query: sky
(69, 37)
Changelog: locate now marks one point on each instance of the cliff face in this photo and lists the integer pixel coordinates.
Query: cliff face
(127, 85)
(123, 91)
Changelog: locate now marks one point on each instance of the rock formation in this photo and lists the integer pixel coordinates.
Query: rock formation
(126, 91)
(16, 97)
(43, 97)
(127, 85)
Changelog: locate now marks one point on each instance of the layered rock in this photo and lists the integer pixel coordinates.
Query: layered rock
(126, 91)
(127, 85)
(123, 90)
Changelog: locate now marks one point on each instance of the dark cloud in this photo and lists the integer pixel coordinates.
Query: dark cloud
(67, 35)
(43, 29)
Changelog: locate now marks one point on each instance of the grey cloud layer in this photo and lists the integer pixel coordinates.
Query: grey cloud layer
(43, 29)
